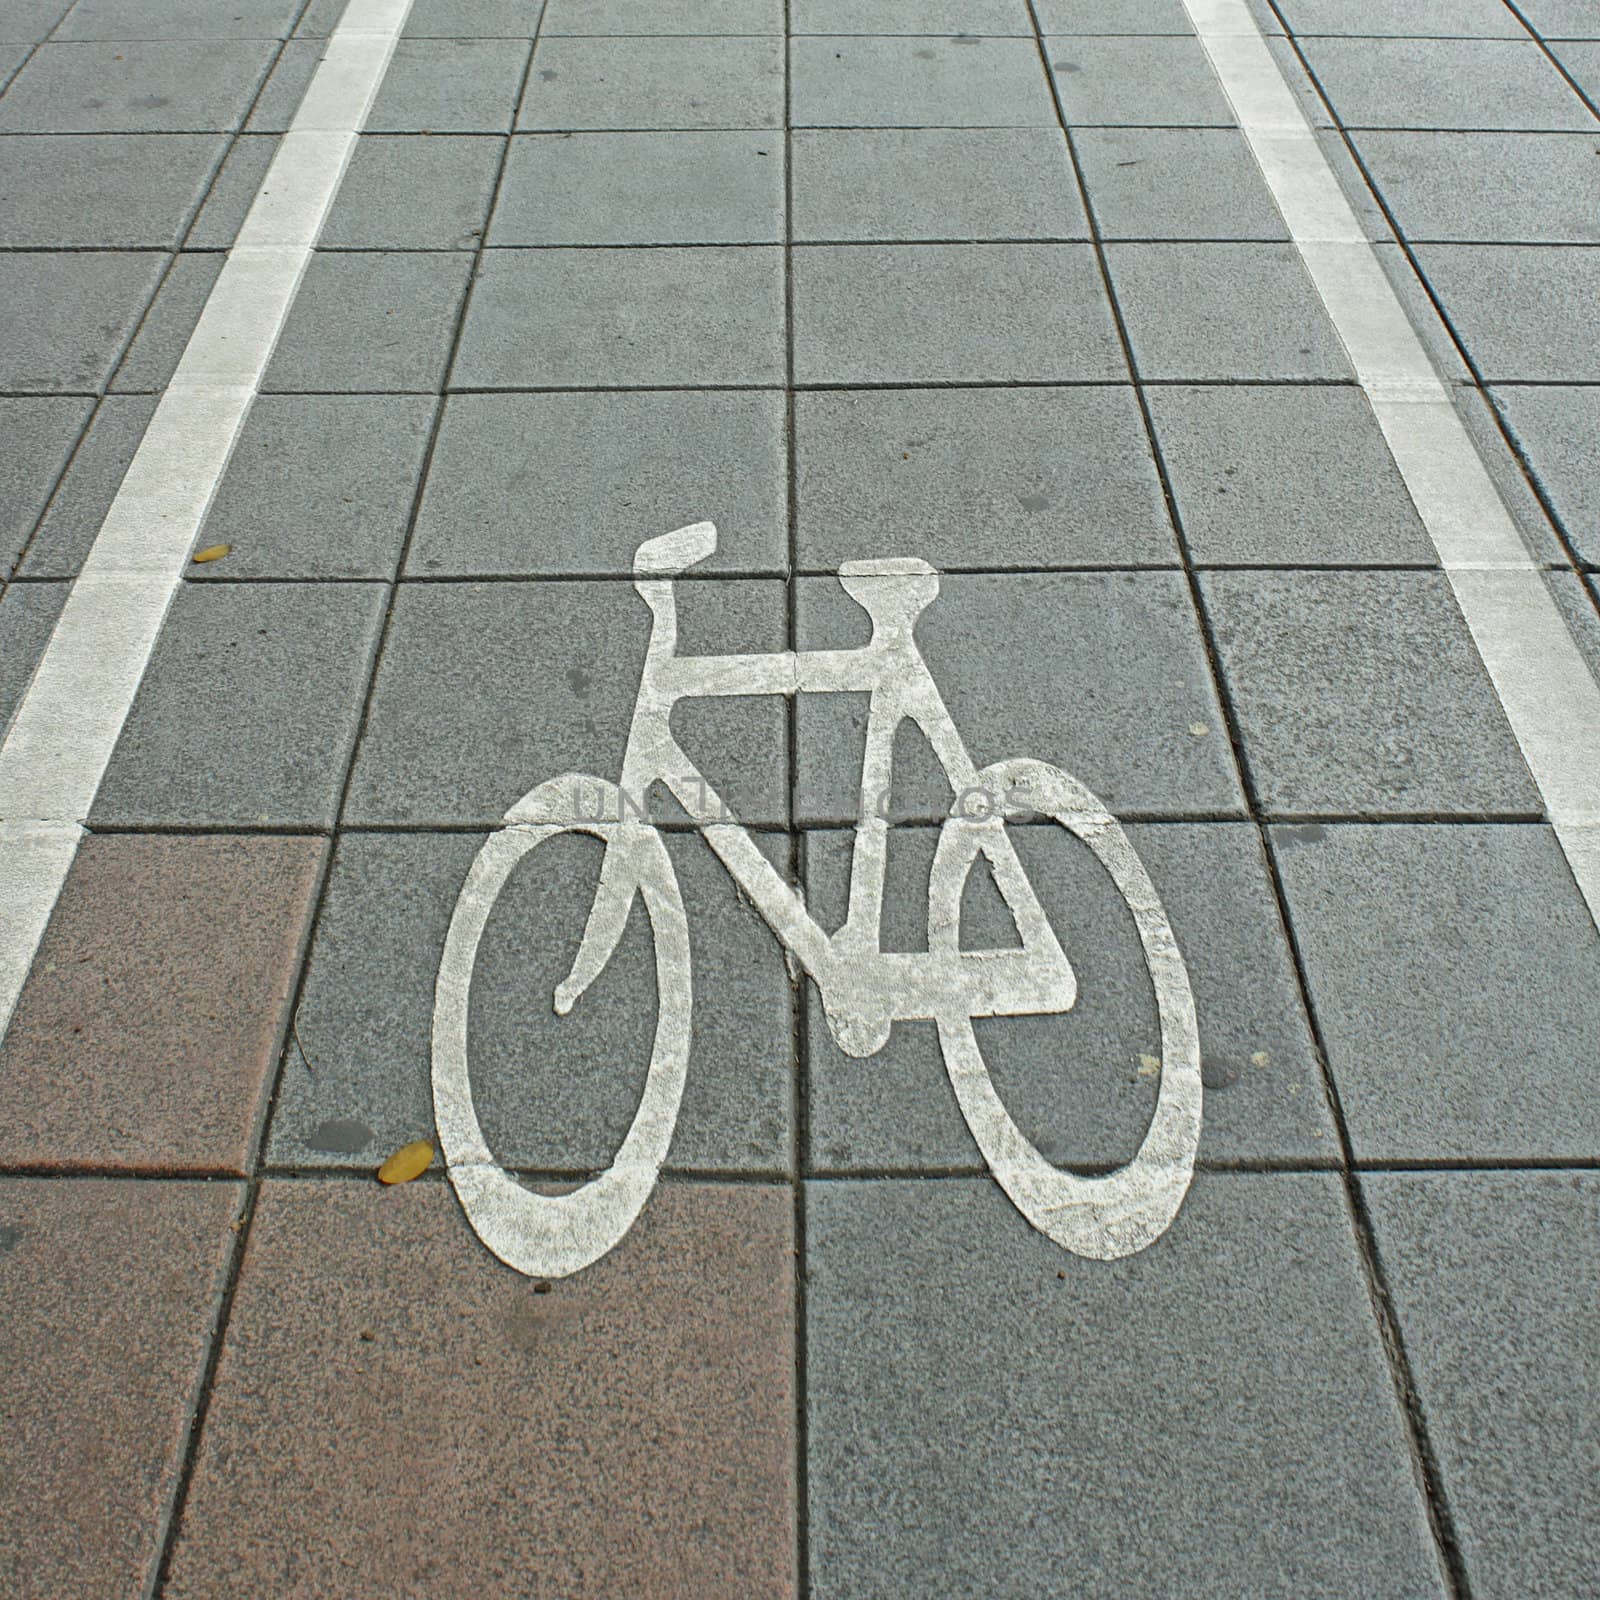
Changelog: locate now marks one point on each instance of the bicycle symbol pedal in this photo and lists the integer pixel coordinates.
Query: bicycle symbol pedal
(864, 989)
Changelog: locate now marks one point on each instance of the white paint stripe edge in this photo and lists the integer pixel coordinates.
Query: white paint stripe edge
(68, 722)
(1549, 694)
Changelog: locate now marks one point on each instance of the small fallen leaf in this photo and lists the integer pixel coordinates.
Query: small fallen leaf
(1199, 729)
(1261, 1058)
(408, 1162)
(212, 552)
(1149, 1066)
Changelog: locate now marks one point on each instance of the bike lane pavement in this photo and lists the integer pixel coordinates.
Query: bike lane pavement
(711, 276)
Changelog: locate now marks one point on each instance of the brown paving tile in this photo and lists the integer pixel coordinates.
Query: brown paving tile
(145, 1034)
(395, 1413)
(108, 1288)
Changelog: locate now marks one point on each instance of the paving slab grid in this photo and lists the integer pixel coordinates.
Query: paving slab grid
(991, 283)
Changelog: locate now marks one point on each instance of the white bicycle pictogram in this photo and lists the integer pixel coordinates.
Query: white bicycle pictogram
(864, 989)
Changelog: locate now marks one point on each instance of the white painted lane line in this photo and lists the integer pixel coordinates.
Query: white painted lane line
(67, 724)
(1550, 697)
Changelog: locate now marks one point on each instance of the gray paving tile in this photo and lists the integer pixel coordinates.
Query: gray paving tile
(952, 313)
(87, 490)
(65, 318)
(319, 486)
(179, 19)
(1101, 674)
(29, 21)
(1445, 83)
(1081, 1086)
(654, 83)
(622, 318)
(1122, 82)
(1176, 183)
(1358, 190)
(1444, 19)
(1494, 1277)
(158, 346)
(1582, 60)
(1199, 311)
(449, 86)
(1113, 16)
(489, 689)
(189, 86)
(28, 613)
(935, 183)
(1020, 479)
(37, 438)
(248, 709)
(104, 192)
(1558, 430)
(1511, 479)
(552, 1092)
(1205, 311)
(281, 95)
(1579, 605)
(1513, 187)
(662, 17)
(642, 188)
(371, 322)
(918, 82)
(1561, 19)
(220, 218)
(472, 19)
(321, 17)
(1297, 475)
(1362, 692)
(986, 17)
(571, 484)
(1266, 20)
(1453, 973)
(11, 57)
(1284, 53)
(1243, 1338)
(414, 194)
(1525, 335)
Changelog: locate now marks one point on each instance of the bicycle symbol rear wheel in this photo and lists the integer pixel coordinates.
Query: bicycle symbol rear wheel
(1120, 1212)
(553, 1236)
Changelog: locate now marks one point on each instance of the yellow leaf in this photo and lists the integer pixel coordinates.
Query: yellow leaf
(408, 1162)
(212, 552)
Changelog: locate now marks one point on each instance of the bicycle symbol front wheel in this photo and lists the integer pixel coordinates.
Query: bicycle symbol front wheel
(553, 1236)
(1120, 1212)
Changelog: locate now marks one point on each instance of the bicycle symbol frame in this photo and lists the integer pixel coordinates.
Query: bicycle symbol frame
(864, 989)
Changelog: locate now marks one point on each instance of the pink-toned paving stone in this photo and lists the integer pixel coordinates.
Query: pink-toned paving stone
(396, 1413)
(108, 1294)
(147, 1031)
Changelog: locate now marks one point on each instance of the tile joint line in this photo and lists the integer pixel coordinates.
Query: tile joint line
(1546, 689)
(62, 734)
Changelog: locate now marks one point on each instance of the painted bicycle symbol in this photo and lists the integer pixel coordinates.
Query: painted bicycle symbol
(864, 988)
